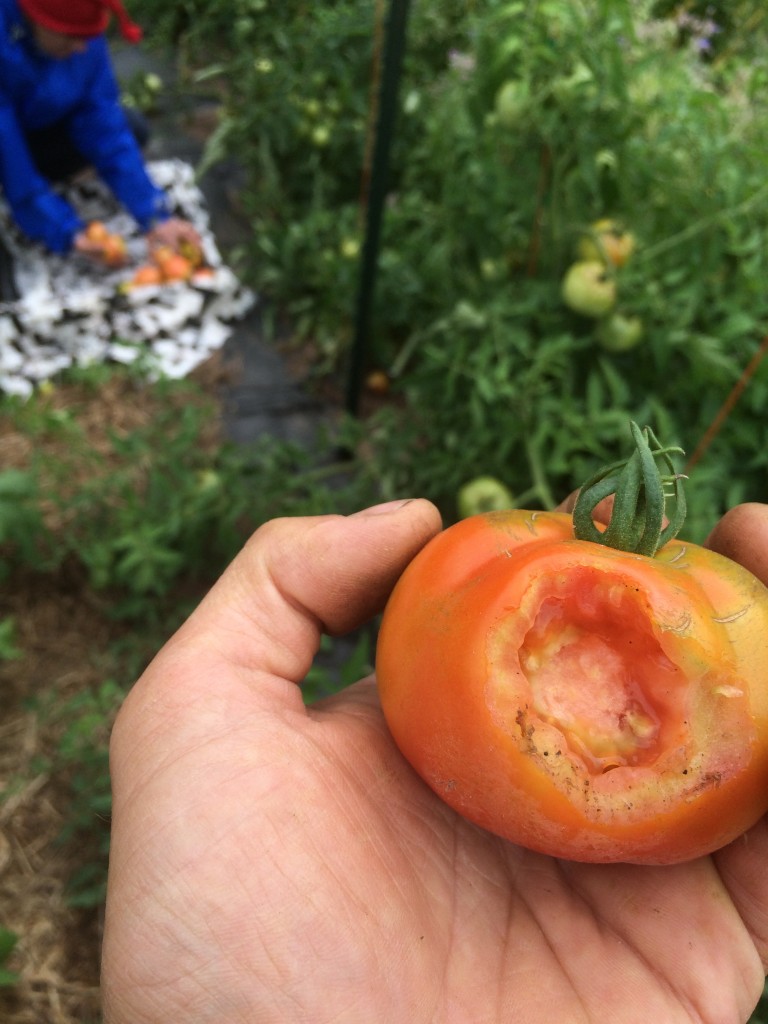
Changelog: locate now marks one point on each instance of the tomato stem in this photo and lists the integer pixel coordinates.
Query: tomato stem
(640, 493)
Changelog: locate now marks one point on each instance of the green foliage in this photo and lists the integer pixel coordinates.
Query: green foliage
(19, 516)
(716, 29)
(82, 724)
(520, 124)
(760, 1015)
(336, 668)
(299, 123)
(142, 91)
(8, 942)
(154, 506)
(9, 651)
(625, 125)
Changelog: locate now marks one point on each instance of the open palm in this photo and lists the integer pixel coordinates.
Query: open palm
(276, 864)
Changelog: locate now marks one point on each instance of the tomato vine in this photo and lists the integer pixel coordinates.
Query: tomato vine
(640, 495)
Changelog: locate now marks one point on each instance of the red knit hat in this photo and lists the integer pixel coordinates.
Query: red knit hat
(80, 17)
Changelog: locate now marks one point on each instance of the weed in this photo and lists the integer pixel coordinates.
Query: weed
(20, 520)
(338, 665)
(8, 942)
(149, 506)
(9, 650)
(80, 758)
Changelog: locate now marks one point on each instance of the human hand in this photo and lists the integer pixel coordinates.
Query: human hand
(100, 245)
(175, 233)
(276, 863)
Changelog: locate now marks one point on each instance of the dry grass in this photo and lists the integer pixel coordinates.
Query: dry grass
(58, 951)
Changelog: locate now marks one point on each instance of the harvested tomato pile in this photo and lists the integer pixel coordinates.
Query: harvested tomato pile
(166, 265)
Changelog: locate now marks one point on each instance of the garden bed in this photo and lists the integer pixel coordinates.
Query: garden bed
(68, 644)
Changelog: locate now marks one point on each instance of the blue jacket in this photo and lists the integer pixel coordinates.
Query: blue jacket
(81, 90)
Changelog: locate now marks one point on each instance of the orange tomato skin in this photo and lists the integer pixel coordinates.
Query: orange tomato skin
(97, 231)
(113, 247)
(175, 267)
(148, 274)
(467, 667)
(114, 250)
(160, 254)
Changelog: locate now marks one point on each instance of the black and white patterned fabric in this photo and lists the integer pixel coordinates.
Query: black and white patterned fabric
(72, 312)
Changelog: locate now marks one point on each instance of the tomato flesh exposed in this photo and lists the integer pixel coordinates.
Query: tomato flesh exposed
(599, 675)
(579, 700)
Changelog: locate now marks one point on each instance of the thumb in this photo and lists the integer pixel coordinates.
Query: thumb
(294, 579)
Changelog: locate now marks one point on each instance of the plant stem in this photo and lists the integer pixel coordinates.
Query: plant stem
(701, 225)
(727, 407)
(639, 491)
(540, 482)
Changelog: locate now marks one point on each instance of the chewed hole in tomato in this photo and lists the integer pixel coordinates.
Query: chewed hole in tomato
(599, 675)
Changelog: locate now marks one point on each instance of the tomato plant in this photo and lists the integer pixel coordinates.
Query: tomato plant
(594, 693)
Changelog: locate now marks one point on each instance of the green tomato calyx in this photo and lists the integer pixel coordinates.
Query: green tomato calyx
(640, 493)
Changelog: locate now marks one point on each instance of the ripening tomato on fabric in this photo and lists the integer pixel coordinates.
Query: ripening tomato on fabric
(596, 694)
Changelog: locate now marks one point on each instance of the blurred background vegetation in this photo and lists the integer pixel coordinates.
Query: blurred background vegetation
(521, 124)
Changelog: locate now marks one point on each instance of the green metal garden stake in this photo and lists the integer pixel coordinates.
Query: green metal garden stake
(394, 48)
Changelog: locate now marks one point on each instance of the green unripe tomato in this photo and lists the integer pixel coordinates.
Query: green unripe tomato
(620, 333)
(511, 103)
(588, 289)
(483, 494)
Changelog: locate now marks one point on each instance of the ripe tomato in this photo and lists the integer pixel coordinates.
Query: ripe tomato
(97, 231)
(579, 700)
(114, 250)
(176, 268)
(148, 274)
(606, 241)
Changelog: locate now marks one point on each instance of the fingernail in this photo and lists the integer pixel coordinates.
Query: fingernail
(387, 506)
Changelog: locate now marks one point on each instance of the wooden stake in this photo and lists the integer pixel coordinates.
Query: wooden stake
(727, 407)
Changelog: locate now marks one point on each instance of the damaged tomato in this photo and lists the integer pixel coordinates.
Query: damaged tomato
(597, 694)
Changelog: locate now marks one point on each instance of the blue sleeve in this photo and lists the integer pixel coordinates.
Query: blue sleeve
(101, 133)
(40, 213)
